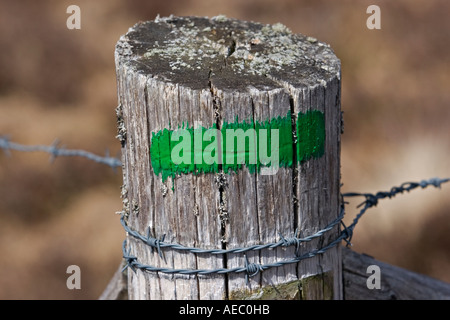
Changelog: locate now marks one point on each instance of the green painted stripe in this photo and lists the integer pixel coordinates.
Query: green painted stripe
(253, 144)
(310, 135)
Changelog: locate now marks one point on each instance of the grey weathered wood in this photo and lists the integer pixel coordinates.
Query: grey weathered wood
(180, 70)
(117, 288)
(396, 283)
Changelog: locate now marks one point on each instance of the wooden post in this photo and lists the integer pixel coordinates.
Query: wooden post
(191, 73)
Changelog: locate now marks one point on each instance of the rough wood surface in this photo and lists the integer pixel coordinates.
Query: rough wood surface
(117, 288)
(396, 283)
(180, 70)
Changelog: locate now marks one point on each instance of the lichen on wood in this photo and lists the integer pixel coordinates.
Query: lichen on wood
(304, 289)
(195, 45)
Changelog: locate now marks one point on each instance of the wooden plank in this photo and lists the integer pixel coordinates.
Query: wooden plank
(396, 283)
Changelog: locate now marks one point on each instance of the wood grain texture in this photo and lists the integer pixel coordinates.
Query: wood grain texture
(174, 71)
(396, 283)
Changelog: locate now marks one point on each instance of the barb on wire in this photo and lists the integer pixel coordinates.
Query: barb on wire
(56, 151)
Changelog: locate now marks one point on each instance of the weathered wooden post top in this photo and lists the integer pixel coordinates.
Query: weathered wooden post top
(230, 136)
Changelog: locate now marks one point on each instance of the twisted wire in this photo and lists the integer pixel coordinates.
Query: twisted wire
(55, 151)
(285, 242)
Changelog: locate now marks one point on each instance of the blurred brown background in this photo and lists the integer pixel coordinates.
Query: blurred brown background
(60, 83)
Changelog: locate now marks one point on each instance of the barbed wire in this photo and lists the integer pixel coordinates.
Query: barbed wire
(284, 241)
(58, 151)
(372, 199)
(250, 269)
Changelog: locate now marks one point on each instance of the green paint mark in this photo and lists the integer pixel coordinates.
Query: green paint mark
(257, 145)
(310, 135)
(252, 144)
